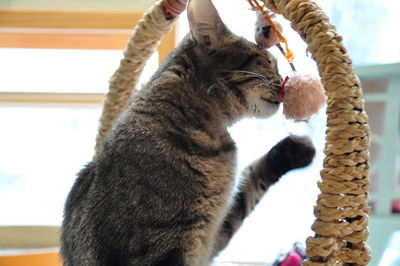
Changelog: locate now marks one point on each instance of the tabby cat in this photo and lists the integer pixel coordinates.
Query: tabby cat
(160, 192)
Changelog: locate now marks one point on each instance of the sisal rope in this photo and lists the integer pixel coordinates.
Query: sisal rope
(342, 206)
(141, 45)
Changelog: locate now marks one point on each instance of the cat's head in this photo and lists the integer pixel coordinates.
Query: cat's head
(233, 63)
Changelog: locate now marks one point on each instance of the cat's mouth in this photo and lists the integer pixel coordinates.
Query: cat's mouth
(269, 100)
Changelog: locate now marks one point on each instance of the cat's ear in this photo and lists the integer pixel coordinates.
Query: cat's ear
(206, 26)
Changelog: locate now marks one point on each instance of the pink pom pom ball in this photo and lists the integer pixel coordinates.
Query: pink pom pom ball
(302, 96)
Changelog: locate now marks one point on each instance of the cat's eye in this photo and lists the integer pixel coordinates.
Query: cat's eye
(263, 61)
(259, 61)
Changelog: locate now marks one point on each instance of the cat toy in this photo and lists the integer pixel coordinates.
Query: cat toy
(301, 95)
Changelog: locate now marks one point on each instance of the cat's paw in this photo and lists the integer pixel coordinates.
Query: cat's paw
(290, 153)
(295, 152)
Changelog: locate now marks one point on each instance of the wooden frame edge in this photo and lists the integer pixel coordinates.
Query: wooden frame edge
(69, 19)
(54, 29)
(29, 97)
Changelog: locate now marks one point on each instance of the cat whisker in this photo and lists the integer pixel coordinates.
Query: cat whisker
(244, 79)
(266, 83)
(256, 110)
(260, 84)
(250, 74)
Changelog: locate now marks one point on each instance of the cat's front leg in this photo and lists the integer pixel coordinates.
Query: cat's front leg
(290, 153)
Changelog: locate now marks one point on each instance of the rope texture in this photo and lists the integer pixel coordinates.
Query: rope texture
(341, 212)
(141, 45)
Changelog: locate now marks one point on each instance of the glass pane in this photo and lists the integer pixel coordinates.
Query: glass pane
(42, 149)
(397, 169)
(62, 70)
(391, 257)
(375, 152)
(374, 181)
(374, 85)
(372, 205)
(367, 27)
(397, 181)
(376, 111)
(375, 156)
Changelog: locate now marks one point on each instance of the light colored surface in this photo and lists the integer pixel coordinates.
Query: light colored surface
(62, 70)
(77, 4)
(68, 19)
(24, 237)
(381, 230)
(87, 98)
(62, 39)
(391, 257)
(29, 246)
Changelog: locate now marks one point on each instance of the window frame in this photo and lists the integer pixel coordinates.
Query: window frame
(69, 29)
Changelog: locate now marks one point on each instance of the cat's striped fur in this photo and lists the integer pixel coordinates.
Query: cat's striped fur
(161, 190)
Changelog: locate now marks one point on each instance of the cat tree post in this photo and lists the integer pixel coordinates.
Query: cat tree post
(341, 212)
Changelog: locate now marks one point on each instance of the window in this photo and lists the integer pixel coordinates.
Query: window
(43, 145)
(55, 70)
(369, 39)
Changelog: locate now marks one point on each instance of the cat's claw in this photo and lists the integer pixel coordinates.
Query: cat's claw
(173, 8)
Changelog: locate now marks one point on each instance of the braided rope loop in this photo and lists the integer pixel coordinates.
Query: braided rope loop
(341, 212)
(141, 45)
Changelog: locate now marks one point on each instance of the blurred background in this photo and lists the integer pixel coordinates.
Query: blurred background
(55, 61)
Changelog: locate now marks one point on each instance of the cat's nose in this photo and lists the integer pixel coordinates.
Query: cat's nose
(266, 30)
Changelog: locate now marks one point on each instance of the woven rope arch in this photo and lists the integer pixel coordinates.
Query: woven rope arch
(342, 206)
(141, 45)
